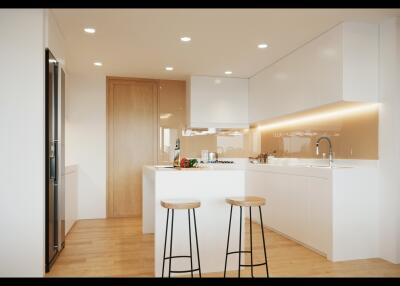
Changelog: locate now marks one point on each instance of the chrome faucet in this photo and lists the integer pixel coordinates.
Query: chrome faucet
(330, 149)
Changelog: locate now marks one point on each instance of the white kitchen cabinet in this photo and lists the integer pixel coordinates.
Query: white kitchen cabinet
(332, 211)
(266, 185)
(318, 213)
(217, 102)
(339, 65)
(298, 194)
(297, 206)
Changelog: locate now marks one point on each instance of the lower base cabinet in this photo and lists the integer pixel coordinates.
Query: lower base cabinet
(297, 206)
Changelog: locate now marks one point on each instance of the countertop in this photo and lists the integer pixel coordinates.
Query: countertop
(316, 167)
(160, 168)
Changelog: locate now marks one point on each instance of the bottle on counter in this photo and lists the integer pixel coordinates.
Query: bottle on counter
(204, 156)
(177, 153)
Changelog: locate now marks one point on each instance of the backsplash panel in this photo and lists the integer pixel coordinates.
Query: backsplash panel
(240, 145)
(354, 136)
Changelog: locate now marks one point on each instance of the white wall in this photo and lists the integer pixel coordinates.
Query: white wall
(54, 39)
(85, 141)
(389, 140)
(22, 168)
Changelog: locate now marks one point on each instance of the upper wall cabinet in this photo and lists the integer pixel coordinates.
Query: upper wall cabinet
(339, 65)
(217, 102)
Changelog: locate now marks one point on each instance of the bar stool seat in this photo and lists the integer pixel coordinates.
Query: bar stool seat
(246, 201)
(181, 204)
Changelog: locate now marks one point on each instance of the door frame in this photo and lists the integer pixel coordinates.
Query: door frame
(110, 80)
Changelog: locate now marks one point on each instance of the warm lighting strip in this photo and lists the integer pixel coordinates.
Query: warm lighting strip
(165, 115)
(321, 116)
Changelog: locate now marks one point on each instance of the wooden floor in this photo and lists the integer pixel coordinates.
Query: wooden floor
(117, 248)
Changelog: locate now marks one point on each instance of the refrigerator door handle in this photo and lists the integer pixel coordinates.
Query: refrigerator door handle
(55, 163)
(52, 156)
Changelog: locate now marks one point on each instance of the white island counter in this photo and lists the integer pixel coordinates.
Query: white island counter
(209, 185)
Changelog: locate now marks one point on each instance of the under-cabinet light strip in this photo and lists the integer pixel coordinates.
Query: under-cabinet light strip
(321, 116)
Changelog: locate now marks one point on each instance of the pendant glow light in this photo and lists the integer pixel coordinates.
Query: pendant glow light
(320, 116)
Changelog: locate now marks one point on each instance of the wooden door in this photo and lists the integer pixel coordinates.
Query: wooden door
(131, 141)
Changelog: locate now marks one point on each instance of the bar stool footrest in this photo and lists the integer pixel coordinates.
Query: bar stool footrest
(249, 265)
(185, 271)
(178, 256)
(243, 251)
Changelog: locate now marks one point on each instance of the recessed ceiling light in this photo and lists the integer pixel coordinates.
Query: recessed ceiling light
(228, 72)
(262, 46)
(186, 39)
(169, 68)
(98, 64)
(90, 30)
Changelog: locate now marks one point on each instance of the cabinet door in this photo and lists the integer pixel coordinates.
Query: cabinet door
(280, 202)
(296, 207)
(270, 211)
(307, 78)
(318, 214)
(217, 102)
(265, 185)
(258, 184)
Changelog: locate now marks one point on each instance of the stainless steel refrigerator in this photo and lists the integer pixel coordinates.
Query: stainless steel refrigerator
(55, 158)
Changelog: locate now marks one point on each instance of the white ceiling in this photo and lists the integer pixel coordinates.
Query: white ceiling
(141, 42)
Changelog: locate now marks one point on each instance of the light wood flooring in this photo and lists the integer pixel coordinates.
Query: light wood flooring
(117, 248)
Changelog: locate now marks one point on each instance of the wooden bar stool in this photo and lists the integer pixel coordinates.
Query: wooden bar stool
(181, 205)
(247, 201)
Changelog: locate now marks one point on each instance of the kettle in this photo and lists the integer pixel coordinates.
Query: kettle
(212, 156)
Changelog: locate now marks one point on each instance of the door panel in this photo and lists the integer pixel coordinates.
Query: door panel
(51, 237)
(132, 138)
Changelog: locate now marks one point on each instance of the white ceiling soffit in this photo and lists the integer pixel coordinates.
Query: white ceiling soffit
(142, 42)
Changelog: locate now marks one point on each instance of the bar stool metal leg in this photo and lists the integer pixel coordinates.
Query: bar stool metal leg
(251, 244)
(165, 244)
(265, 250)
(227, 245)
(240, 239)
(197, 242)
(190, 245)
(170, 249)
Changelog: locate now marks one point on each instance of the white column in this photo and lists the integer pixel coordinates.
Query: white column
(389, 140)
(22, 165)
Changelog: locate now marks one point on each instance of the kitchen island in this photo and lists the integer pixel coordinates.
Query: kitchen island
(332, 211)
(209, 185)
